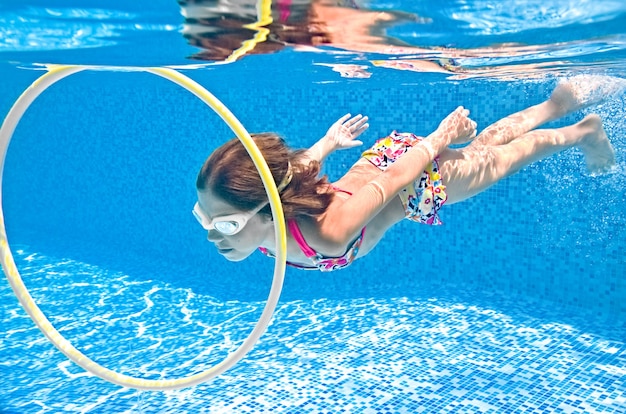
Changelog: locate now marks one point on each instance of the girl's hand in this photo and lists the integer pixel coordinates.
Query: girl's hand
(342, 134)
(458, 127)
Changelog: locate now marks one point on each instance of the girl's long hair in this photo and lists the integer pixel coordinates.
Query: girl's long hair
(230, 173)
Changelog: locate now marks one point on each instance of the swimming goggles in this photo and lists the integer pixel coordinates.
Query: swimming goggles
(227, 225)
(233, 223)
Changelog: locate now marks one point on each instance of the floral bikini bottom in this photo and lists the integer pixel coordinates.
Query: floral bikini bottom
(423, 199)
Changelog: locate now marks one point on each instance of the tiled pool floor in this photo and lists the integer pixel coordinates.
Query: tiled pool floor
(434, 353)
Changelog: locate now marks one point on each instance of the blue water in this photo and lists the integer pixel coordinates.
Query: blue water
(516, 304)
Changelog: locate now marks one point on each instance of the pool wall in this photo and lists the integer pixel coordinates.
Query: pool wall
(102, 169)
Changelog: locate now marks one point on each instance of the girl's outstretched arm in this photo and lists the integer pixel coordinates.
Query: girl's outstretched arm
(341, 135)
(342, 223)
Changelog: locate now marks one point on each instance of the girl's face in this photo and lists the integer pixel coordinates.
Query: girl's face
(242, 244)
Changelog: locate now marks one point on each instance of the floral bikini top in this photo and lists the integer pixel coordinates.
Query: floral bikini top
(324, 264)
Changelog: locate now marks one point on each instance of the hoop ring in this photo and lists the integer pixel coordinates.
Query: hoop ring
(57, 73)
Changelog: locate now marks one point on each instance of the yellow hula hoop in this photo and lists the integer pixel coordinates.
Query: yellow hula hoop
(57, 73)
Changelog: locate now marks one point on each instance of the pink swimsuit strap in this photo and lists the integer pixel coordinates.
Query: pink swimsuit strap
(322, 263)
(296, 233)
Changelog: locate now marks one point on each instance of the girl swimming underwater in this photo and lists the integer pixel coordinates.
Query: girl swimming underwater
(402, 176)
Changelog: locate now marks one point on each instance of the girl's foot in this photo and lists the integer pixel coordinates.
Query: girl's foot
(581, 91)
(598, 151)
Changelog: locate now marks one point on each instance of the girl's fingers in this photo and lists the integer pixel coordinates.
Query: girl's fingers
(358, 122)
(360, 130)
(343, 119)
(353, 120)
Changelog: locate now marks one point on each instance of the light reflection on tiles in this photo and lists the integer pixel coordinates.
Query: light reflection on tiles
(437, 351)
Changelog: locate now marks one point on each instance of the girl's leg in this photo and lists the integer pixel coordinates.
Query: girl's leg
(517, 124)
(468, 171)
(569, 96)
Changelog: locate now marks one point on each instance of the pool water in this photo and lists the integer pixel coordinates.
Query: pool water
(516, 304)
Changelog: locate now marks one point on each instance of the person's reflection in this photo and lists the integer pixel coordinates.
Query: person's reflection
(221, 27)
(226, 30)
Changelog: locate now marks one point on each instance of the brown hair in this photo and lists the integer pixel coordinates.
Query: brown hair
(230, 173)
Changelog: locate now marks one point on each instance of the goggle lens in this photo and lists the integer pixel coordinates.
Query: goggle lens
(226, 227)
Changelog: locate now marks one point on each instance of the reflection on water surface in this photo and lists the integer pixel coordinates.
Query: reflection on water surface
(463, 39)
(460, 39)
